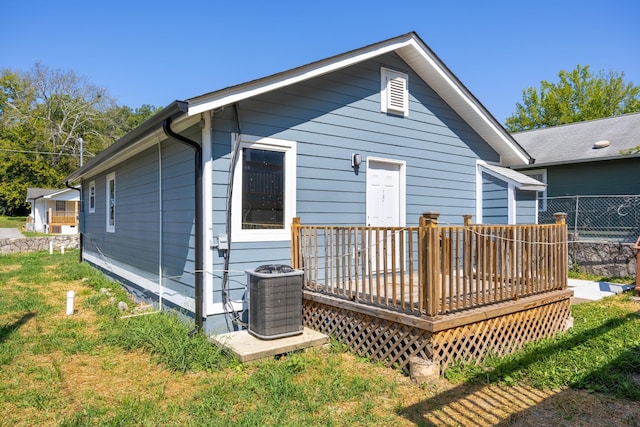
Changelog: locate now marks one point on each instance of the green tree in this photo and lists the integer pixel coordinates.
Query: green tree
(44, 114)
(579, 95)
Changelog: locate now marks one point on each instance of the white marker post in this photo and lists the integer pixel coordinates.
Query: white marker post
(70, 297)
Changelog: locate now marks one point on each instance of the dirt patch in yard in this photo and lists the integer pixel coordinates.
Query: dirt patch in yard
(9, 268)
(489, 405)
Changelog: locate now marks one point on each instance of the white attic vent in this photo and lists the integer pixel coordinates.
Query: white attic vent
(394, 92)
(601, 144)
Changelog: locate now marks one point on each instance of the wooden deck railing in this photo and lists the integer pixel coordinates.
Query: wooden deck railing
(431, 269)
(63, 218)
(57, 218)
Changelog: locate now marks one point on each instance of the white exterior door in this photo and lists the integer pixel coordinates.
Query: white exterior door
(385, 203)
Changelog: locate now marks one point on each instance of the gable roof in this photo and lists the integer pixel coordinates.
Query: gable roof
(35, 193)
(409, 47)
(574, 143)
(519, 180)
(418, 56)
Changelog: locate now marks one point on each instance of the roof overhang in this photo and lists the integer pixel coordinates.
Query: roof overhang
(573, 162)
(58, 193)
(418, 56)
(515, 178)
(132, 143)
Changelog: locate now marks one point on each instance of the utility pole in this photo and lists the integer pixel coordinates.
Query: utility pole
(81, 141)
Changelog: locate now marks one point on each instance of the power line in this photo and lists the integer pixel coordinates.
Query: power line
(41, 152)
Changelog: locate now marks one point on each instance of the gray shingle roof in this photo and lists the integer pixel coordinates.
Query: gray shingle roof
(522, 181)
(574, 142)
(36, 193)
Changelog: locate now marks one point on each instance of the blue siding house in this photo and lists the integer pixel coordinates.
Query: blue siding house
(180, 207)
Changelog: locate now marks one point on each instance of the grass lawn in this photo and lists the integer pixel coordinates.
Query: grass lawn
(12, 221)
(96, 368)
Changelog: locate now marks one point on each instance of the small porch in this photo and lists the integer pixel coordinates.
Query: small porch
(443, 293)
(62, 217)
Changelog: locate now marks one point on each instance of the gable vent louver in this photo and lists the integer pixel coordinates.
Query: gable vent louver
(395, 98)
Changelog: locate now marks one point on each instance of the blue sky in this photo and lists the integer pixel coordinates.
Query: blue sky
(154, 52)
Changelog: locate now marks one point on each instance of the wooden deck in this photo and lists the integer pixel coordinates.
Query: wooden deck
(392, 292)
(453, 293)
(469, 336)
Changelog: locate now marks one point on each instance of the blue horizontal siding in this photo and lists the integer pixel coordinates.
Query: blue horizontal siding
(526, 207)
(494, 200)
(331, 117)
(135, 244)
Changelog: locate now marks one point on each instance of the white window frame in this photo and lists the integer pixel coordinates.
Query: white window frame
(542, 200)
(92, 197)
(111, 228)
(387, 78)
(289, 148)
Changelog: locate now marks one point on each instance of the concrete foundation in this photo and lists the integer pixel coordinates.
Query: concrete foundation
(248, 348)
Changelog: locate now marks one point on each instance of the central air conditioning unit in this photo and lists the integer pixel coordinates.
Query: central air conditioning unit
(275, 301)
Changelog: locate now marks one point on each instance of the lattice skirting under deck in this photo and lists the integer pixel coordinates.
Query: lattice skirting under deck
(394, 342)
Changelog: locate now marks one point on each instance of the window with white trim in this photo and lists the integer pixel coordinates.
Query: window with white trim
(540, 175)
(111, 202)
(264, 190)
(92, 197)
(394, 92)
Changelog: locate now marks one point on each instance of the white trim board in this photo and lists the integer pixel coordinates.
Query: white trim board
(511, 193)
(265, 235)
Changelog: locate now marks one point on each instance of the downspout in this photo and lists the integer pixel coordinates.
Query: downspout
(66, 183)
(199, 228)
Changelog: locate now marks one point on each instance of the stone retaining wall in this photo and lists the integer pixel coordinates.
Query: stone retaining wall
(603, 259)
(33, 244)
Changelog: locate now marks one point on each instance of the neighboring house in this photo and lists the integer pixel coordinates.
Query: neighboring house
(183, 205)
(583, 163)
(53, 211)
(585, 158)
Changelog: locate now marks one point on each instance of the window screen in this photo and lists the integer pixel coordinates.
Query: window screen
(263, 189)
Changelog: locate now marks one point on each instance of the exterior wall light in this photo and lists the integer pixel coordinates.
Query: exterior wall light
(356, 160)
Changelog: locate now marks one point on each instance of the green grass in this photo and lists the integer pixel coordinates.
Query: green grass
(600, 354)
(97, 368)
(12, 221)
(42, 352)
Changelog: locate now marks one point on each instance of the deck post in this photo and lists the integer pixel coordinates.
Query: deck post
(563, 252)
(430, 261)
(561, 217)
(467, 258)
(295, 242)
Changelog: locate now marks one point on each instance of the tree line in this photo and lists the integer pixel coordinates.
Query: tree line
(577, 96)
(47, 116)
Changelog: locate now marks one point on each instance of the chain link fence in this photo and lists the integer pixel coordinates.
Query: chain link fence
(597, 218)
